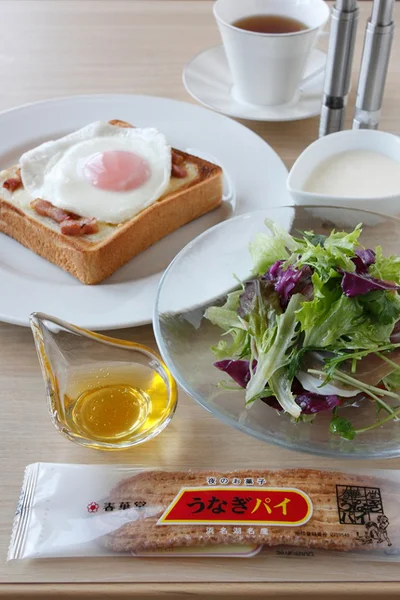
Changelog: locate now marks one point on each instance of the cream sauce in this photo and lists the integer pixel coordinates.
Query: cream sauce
(355, 174)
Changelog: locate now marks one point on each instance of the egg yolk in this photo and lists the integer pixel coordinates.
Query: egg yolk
(117, 170)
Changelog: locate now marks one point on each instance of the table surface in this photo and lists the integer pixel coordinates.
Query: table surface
(61, 47)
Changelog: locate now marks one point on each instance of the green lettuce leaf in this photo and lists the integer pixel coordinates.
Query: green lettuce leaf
(281, 386)
(346, 243)
(392, 381)
(233, 300)
(239, 347)
(316, 239)
(328, 316)
(276, 354)
(382, 307)
(334, 253)
(224, 318)
(385, 267)
(332, 320)
(366, 335)
(265, 250)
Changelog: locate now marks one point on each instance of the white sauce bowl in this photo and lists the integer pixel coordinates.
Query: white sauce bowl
(336, 143)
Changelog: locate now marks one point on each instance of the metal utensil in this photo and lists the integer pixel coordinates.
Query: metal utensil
(344, 19)
(374, 64)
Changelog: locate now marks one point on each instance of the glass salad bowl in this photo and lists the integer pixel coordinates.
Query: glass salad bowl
(215, 264)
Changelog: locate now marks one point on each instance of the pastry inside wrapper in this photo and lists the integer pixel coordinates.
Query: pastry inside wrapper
(101, 510)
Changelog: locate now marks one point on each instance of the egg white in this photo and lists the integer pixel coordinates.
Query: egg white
(53, 171)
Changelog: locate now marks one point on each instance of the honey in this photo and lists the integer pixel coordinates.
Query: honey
(113, 404)
(111, 412)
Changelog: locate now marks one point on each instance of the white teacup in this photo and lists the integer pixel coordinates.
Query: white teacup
(267, 68)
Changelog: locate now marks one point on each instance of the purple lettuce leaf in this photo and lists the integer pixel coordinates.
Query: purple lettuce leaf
(239, 371)
(290, 281)
(275, 270)
(254, 290)
(356, 284)
(272, 402)
(363, 260)
(311, 403)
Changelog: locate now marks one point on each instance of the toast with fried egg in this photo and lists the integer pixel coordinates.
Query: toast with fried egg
(194, 189)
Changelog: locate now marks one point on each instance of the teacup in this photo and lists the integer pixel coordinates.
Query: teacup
(267, 68)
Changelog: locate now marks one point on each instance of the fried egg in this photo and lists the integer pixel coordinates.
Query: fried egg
(102, 170)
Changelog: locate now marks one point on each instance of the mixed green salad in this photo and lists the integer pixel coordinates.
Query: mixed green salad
(316, 328)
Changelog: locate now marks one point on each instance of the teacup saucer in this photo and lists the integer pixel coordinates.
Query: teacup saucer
(207, 79)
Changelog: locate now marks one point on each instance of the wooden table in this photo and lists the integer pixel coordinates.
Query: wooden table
(62, 47)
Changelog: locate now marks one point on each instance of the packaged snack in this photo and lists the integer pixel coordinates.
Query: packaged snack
(94, 510)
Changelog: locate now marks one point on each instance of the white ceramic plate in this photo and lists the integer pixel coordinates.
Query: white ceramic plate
(207, 79)
(30, 283)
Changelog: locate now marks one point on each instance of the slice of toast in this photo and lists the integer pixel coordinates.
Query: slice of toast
(92, 258)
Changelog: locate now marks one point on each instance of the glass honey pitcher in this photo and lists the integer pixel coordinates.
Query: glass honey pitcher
(102, 392)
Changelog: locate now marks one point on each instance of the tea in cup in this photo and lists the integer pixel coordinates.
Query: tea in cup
(267, 45)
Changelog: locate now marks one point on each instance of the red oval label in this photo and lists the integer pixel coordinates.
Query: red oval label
(222, 505)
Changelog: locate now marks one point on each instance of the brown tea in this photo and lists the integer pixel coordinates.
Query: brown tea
(269, 24)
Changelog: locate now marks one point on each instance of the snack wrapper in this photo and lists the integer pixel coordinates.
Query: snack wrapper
(99, 510)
